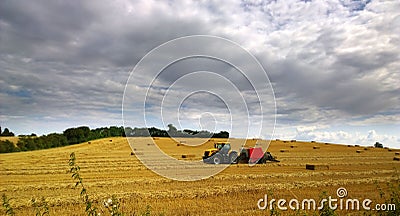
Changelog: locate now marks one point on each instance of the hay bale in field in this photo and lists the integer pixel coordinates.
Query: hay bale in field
(110, 140)
(132, 153)
(313, 141)
(188, 156)
(396, 158)
(178, 144)
(149, 144)
(284, 150)
(390, 150)
(349, 146)
(292, 140)
(327, 143)
(285, 141)
(156, 138)
(317, 167)
(89, 143)
(386, 148)
(293, 146)
(277, 140)
(359, 151)
(397, 153)
(366, 149)
(316, 147)
(357, 145)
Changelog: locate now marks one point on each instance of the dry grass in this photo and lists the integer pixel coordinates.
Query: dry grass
(12, 139)
(109, 168)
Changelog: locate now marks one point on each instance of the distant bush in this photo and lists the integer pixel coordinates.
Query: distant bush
(7, 146)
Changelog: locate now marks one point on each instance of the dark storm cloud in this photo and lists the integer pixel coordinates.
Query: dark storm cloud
(61, 59)
(88, 32)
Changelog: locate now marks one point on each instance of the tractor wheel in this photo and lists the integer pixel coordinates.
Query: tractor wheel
(217, 159)
(233, 157)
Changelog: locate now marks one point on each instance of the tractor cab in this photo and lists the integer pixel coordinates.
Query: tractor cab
(218, 146)
(221, 153)
(222, 146)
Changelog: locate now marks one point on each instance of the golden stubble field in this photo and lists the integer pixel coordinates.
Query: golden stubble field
(108, 168)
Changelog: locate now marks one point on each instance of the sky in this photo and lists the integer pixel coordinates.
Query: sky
(333, 67)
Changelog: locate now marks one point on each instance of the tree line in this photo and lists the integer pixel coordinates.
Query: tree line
(69, 137)
(173, 132)
(84, 134)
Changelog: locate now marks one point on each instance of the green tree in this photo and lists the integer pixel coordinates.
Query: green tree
(7, 146)
(7, 132)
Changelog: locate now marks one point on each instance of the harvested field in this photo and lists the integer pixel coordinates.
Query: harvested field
(109, 168)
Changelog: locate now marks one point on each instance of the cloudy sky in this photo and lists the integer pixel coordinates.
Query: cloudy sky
(334, 66)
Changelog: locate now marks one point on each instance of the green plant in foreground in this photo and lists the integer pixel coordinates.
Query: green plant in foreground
(274, 211)
(326, 210)
(6, 205)
(91, 210)
(393, 196)
(113, 206)
(41, 206)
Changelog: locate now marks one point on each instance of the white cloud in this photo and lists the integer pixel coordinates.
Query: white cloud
(334, 64)
(313, 133)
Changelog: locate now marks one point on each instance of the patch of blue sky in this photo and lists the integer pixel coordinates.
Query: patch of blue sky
(355, 5)
(20, 93)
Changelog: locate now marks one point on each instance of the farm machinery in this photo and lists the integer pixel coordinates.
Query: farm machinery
(223, 154)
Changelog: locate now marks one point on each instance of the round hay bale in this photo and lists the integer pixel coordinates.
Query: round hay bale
(284, 150)
(390, 150)
(316, 147)
(156, 138)
(110, 140)
(277, 140)
(327, 143)
(293, 146)
(396, 158)
(313, 141)
(285, 141)
(293, 140)
(397, 153)
(357, 145)
(359, 151)
(89, 143)
(349, 146)
(132, 153)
